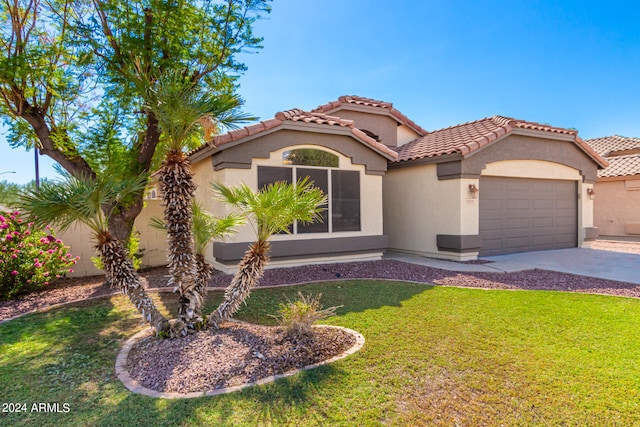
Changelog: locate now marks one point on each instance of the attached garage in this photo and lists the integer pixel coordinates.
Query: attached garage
(493, 186)
(519, 215)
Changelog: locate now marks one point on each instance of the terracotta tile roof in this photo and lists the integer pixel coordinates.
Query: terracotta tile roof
(297, 115)
(294, 115)
(368, 102)
(468, 137)
(621, 166)
(622, 153)
(609, 145)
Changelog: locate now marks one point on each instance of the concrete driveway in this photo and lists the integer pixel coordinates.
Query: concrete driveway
(624, 267)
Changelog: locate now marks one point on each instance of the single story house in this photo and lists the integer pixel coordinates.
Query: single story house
(617, 190)
(491, 186)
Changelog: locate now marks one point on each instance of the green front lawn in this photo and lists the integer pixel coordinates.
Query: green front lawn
(433, 355)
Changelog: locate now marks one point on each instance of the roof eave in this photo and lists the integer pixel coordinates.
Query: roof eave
(300, 126)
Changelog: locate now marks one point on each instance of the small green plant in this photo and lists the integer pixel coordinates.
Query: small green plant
(299, 316)
(30, 257)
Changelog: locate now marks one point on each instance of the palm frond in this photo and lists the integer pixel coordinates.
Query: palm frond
(275, 207)
(79, 199)
(206, 227)
(157, 223)
(180, 105)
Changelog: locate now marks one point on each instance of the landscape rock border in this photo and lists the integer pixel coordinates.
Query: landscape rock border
(135, 387)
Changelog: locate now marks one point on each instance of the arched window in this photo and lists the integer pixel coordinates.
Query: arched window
(310, 157)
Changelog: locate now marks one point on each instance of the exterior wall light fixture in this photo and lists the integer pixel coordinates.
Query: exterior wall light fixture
(590, 193)
(473, 189)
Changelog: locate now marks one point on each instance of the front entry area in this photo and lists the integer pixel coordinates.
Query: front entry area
(521, 215)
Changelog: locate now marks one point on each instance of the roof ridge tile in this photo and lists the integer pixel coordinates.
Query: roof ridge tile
(374, 103)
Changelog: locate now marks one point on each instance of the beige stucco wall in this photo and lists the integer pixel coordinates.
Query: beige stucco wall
(418, 206)
(381, 124)
(405, 135)
(153, 242)
(617, 207)
(370, 196)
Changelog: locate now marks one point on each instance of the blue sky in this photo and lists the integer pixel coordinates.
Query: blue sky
(571, 64)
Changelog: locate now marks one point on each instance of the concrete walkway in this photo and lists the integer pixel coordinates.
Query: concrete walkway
(619, 266)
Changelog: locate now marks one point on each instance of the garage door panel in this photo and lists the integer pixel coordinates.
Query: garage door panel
(492, 244)
(517, 242)
(515, 204)
(492, 224)
(542, 222)
(518, 215)
(566, 238)
(542, 240)
(542, 186)
(495, 205)
(516, 186)
(542, 204)
(517, 223)
(565, 204)
(564, 222)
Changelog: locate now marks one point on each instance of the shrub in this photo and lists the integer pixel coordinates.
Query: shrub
(30, 258)
(299, 316)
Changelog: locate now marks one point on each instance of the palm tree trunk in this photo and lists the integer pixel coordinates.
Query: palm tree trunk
(249, 272)
(120, 271)
(177, 187)
(203, 275)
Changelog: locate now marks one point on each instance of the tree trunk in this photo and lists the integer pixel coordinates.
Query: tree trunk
(249, 272)
(119, 269)
(177, 188)
(203, 275)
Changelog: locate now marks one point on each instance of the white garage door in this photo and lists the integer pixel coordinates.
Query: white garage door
(519, 215)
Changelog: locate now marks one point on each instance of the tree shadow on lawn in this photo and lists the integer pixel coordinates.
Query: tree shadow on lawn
(269, 404)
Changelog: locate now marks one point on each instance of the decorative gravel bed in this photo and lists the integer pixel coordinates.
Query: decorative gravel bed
(236, 354)
(68, 290)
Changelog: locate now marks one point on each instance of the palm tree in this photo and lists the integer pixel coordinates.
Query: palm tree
(205, 228)
(84, 200)
(182, 108)
(271, 210)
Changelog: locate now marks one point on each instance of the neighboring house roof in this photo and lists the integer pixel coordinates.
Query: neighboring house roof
(609, 145)
(294, 116)
(621, 166)
(469, 137)
(622, 153)
(387, 107)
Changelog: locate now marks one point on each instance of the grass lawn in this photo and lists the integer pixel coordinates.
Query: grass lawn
(433, 356)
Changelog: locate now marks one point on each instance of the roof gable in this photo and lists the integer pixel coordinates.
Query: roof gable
(373, 105)
(297, 118)
(467, 138)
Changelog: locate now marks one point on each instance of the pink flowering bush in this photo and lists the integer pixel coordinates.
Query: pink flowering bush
(30, 258)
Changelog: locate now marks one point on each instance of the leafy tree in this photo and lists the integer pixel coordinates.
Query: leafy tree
(82, 199)
(269, 211)
(9, 193)
(65, 77)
